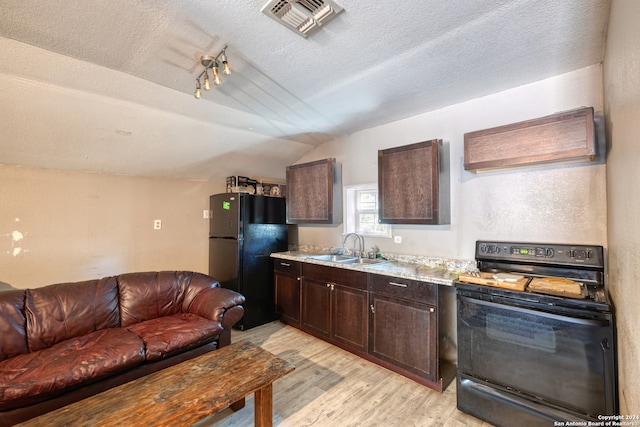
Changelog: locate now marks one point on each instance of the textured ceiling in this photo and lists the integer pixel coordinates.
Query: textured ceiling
(107, 85)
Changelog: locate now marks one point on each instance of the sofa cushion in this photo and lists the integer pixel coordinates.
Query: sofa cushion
(12, 325)
(166, 335)
(148, 295)
(59, 312)
(27, 378)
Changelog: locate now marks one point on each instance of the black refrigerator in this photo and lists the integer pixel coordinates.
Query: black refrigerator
(244, 230)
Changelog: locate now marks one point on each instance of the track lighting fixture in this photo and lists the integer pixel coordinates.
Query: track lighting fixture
(211, 63)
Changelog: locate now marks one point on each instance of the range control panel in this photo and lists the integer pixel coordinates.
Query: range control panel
(541, 253)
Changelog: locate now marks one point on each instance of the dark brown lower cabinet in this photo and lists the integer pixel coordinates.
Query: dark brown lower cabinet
(316, 301)
(287, 280)
(349, 317)
(404, 325)
(404, 333)
(334, 305)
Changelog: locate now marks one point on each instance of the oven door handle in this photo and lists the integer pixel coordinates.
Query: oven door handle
(566, 318)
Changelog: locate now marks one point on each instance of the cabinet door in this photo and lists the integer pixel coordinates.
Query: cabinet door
(314, 193)
(561, 137)
(316, 299)
(409, 185)
(349, 317)
(404, 333)
(287, 297)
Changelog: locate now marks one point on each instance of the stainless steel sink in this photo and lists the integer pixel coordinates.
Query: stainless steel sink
(346, 259)
(333, 258)
(367, 261)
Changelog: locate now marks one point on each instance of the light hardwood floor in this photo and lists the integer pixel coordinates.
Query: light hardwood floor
(332, 387)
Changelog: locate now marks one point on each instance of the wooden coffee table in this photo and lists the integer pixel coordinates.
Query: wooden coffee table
(182, 394)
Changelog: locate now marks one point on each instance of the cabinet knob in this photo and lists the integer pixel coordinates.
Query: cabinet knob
(298, 278)
(285, 264)
(432, 310)
(373, 310)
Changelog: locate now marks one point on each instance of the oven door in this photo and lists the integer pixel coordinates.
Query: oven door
(566, 360)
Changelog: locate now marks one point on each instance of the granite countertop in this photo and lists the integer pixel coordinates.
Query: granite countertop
(436, 270)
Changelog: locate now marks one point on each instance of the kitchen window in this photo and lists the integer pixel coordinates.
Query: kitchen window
(361, 211)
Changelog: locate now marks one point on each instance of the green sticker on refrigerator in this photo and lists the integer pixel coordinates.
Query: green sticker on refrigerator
(226, 205)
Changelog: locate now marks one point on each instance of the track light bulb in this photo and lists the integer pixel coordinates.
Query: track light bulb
(216, 75)
(207, 84)
(225, 65)
(198, 93)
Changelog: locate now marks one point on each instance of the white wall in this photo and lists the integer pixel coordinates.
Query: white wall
(560, 203)
(622, 96)
(59, 226)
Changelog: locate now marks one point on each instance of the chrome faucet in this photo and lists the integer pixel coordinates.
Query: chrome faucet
(360, 240)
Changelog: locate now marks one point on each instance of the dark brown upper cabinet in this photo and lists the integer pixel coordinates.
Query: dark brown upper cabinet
(314, 192)
(562, 137)
(413, 184)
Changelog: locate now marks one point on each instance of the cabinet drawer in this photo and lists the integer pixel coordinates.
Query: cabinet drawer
(292, 268)
(343, 276)
(404, 288)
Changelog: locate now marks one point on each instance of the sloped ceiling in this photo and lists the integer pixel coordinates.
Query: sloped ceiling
(107, 85)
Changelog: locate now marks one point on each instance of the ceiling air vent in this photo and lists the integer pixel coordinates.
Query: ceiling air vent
(305, 17)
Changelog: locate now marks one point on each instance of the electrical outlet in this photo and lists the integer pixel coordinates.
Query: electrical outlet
(157, 224)
(206, 214)
(397, 239)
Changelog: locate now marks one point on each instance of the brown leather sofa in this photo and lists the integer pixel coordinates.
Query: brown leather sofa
(64, 342)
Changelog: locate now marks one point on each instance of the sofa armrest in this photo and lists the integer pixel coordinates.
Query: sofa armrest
(221, 304)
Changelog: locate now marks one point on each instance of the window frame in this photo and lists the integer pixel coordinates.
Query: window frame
(351, 211)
